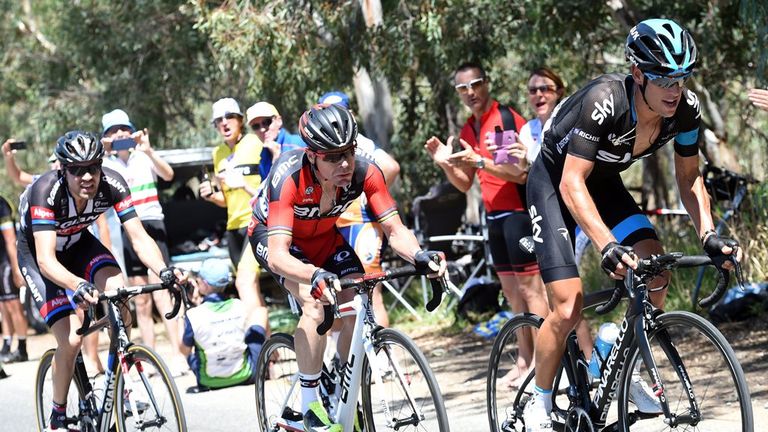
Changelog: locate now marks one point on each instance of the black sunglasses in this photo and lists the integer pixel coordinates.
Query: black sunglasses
(542, 88)
(265, 124)
(80, 170)
(227, 116)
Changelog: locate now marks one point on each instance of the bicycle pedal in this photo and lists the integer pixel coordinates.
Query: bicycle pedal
(291, 415)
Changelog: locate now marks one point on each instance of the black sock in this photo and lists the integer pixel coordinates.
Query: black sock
(7, 343)
(22, 344)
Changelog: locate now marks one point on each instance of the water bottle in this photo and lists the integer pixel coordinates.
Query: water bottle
(606, 337)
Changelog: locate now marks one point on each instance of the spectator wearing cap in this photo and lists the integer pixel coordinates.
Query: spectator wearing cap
(226, 344)
(236, 163)
(361, 232)
(265, 121)
(130, 153)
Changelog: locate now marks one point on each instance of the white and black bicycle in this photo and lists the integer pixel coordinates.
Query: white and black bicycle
(398, 389)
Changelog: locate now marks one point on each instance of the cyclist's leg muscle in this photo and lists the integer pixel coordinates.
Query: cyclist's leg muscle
(565, 299)
(68, 345)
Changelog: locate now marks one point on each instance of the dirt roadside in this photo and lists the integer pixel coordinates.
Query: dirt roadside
(460, 364)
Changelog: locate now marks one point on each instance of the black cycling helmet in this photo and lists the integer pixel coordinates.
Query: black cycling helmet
(661, 48)
(326, 127)
(77, 147)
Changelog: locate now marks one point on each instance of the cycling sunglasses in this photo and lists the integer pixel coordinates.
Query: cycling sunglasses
(463, 88)
(667, 82)
(544, 89)
(265, 124)
(80, 170)
(336, 157)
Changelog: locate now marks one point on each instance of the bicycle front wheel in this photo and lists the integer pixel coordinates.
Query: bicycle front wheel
(44, 392)
(278, 401)
(705, 388)
(146, 397)
(408, 388)
(510, 373)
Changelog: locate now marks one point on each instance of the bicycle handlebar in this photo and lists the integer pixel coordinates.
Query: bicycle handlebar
(371, 279)
(657, 264)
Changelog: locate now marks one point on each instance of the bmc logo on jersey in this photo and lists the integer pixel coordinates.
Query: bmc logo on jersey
(42, 213)
(124, 204)
(282, 169)
(603, 110)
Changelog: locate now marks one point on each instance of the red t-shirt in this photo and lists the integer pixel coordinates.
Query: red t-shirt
(498, 194)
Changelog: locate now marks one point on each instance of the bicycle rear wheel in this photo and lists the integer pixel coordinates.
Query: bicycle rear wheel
(510, 378)
(407, 374)
(714, 375)
(278, 396)
(146, 397)
(44, 392)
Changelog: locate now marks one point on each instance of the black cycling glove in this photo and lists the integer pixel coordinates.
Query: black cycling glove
(321, 280)
(612, 253)
(83, 288)
(167, 276)
(713, 246)
(422, 259)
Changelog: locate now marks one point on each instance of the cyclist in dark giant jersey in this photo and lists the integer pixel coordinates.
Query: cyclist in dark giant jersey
(63, 264)
(593, 136)
(294, 234)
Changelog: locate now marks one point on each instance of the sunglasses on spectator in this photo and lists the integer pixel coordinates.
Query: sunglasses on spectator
(80, 170)
(228, 116)
(667, 82)
(336, 157)
(544, 89)
(265, 124)
(463, 88)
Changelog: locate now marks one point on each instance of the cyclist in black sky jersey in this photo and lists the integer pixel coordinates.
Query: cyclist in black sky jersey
(65, 266)
(591, 137)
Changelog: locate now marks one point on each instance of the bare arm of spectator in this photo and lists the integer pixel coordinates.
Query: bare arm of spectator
(103, 226)
(161, 167)
(759, 98)
(9, 236)
(459, 176)
(21, 178)
(388, 165)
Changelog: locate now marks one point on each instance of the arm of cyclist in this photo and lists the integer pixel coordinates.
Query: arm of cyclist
(573, 188)
(459, 176)
(52, 269)
(313, 280)
(695, 199)
(405, 244)
(147, 250)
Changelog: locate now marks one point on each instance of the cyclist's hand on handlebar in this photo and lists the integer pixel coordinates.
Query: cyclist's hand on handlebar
(322, 282)
(172, 275)
(721, 250)
(85, 295)
(616, 259)
(430, 263)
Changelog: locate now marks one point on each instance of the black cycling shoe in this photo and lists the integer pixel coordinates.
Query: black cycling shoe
(198, 389)
(17, 357)
(61, 423)
(3, 374)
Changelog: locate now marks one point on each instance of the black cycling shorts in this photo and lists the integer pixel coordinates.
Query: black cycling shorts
(342, 262)
(554, 227)
(83, 259)
(505, 229)
(156, 230)
(8, 290)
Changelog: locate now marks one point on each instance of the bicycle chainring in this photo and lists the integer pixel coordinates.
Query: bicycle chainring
(577, 420)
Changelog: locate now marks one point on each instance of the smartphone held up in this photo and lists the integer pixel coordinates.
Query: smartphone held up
(504, 140)
(19, 145)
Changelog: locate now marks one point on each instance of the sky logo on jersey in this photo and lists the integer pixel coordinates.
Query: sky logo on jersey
(535, 227)
(43, 213)
(603, 110)
(612, 158)
(693, 101)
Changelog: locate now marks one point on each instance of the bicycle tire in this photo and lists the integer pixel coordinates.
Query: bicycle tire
(387, 339)
(44, 392)
(512, 406)
(714, 374)
(275, 370)
(155, 396)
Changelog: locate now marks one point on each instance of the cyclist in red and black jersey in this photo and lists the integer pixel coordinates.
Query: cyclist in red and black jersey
(293, 232)
(590, 138)
(63, 265)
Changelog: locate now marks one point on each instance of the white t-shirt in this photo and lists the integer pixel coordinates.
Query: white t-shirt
(139, 172)
(530, 135)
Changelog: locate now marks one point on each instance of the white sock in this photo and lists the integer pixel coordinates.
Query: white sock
(309, 383)
(544, 397)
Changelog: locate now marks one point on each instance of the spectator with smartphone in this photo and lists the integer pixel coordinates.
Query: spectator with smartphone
(236, 164)
(130, 153)
(267, 124)
(16, 174)
(502, 185)
(14, 321)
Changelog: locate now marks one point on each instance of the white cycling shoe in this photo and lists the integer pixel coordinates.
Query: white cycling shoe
(535, 417)
(642, 396)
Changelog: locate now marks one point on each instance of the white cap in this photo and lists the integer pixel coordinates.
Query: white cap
(261, 109)
(225, 106)
(114, 118)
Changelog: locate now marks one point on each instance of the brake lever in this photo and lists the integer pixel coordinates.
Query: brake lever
(87, 318)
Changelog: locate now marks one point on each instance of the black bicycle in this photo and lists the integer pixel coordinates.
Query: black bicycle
(690, 365)
(137, 384)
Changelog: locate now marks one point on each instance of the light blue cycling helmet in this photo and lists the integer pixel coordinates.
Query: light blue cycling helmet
(661, 48)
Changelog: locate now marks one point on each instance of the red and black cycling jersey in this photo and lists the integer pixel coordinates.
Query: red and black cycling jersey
(288, 201)
(498, 194)
(598, 123)
(47, 205)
